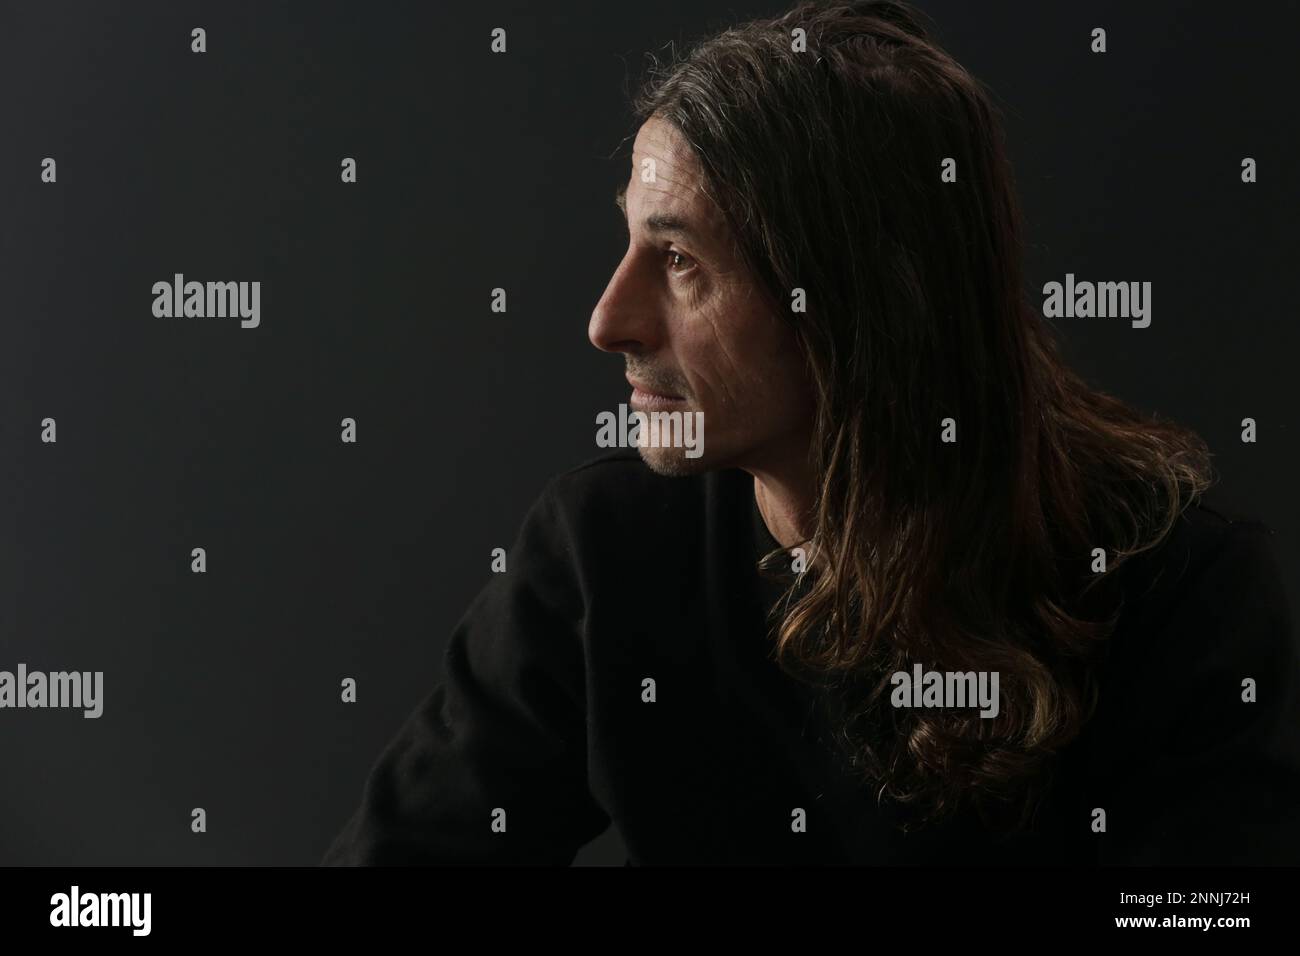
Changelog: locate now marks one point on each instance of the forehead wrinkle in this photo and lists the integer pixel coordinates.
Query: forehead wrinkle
(669, 168)
(706, 226)
(679, 178)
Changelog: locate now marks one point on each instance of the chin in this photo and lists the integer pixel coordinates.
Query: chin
(673, 463)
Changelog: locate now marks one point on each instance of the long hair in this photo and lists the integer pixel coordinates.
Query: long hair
(973, 554)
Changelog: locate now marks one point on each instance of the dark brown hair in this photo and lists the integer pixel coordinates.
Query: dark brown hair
(973, 555)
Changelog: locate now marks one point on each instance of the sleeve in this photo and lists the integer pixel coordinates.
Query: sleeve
(1205, 775)
(491, 766)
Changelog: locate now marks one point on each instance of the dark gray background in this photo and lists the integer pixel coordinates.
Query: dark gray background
(475, 170)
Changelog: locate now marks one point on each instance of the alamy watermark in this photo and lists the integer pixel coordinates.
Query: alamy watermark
(651, 430)
(923, 688)
(1128, 300)
(73, 689)
(181, 299)
(75, 908)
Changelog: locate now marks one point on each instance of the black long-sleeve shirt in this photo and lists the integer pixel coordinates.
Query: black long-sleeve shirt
(619, 575)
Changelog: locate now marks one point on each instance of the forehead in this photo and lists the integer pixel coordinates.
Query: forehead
(666, 179)
(663, 157)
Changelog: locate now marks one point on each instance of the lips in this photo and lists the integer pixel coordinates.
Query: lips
(645, 399)
(651, 394)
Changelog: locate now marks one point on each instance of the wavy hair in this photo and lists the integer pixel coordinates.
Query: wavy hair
(973, 555)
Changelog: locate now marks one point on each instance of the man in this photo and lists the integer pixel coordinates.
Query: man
(995, 620)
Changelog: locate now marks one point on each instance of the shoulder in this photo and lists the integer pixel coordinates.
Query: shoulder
(1205, 607)
(1213, 554)
(1200, 701)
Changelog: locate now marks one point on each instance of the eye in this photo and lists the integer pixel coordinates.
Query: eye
(678, 263)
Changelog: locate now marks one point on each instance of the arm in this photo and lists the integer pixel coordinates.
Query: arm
(506, 730)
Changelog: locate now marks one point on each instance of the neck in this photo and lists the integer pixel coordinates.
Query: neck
(785, 499)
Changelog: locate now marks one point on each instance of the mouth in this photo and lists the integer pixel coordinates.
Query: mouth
(646, 397)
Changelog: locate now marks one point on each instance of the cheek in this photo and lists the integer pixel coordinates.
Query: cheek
(737, 357)
(709, 360)
(784, 389)
(771, 353)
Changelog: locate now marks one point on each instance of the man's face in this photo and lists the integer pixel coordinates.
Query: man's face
(692, 325)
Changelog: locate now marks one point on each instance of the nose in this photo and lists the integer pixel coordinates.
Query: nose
(626, 317)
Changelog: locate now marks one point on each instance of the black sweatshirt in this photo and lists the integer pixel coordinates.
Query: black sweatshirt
(540, 734)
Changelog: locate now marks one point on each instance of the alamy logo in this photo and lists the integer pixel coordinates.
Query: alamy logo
(102, 909)
(200, 300)
(57, 689)
(924, 688)
(1084, 300)
(653, 430)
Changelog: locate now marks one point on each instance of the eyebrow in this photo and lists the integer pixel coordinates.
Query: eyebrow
(656, 222)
